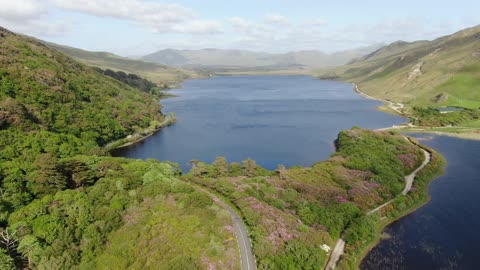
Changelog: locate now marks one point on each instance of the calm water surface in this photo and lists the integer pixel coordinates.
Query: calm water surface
(290, 120)
(445, 233)
(293, 120)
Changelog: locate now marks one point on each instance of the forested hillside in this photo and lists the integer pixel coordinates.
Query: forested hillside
(62, 203)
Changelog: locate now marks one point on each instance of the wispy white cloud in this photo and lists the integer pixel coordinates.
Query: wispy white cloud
(274, 18)
(315, 22)
(29, 17)
(24, 15)
(160, 17)
(175, 24)
(239, 22)
(21, 9)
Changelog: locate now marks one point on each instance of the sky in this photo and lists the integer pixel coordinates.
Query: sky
(139, 27)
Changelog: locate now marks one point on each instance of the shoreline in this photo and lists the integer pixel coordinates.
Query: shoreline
(438, 170)
(336, 255)
(470, 134)
(125, 142)
(381, 226)
(389, 104)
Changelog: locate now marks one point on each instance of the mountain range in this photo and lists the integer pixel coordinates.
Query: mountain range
(219, 58)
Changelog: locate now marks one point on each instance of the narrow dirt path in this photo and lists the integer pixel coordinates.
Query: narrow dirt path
(338, 250)
(394, 106)
(335, 255)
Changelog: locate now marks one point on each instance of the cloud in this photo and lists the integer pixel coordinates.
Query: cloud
(315, 22)
(238, 22)
(393, 29)
(278, 19)
(160, 17)
(317, 34)
(37, 28)
(272, 32)
(17, 10)
(28, 17)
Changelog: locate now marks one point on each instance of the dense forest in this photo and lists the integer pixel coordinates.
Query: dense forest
(133, 80)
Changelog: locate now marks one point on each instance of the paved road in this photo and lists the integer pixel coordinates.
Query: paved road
(338, 250)
(247, 259)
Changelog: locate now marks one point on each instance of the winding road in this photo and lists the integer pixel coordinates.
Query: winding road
(338, 250)
(409, 178)
(247, 259)
(397, 107)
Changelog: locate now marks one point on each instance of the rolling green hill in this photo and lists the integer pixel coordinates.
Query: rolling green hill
(441, 72)
(160, 74)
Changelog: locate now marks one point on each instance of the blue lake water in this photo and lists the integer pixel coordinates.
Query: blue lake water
(290, 120)
(443, 234)
(293, 120)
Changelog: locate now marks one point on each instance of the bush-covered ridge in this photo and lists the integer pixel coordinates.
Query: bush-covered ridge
(41, 89)
(138, 215)
(50, 104)
(63, 210)
(295, 214)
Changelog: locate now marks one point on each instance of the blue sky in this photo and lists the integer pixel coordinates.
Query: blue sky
(137, 27)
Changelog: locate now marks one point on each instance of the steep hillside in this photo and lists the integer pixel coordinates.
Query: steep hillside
(43, 90)
(64, 203)
(52, 105)
(217, 58)
(442, 72)
(160, 74)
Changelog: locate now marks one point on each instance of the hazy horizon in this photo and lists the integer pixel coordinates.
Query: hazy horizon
(140, 27)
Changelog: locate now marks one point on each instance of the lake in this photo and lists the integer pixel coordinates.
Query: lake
(290, 120)
(294, 120)
(443, 234)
